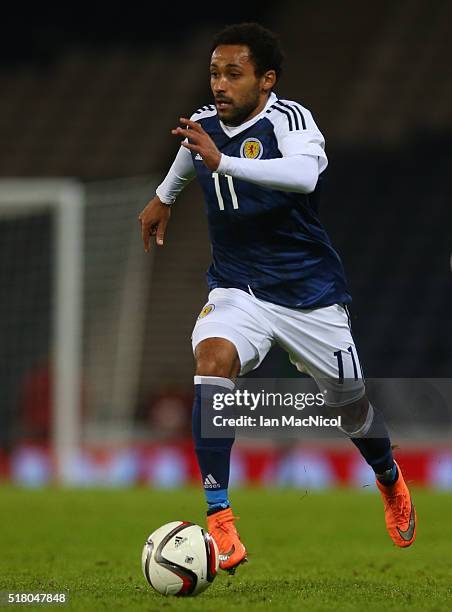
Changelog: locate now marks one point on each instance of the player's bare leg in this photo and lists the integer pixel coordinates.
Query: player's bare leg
(217, 357)
(362, 422)
(217, 366)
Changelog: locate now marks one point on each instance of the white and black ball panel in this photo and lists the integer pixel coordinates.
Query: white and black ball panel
(183, 549)
(164, 581)
(150, 544)
(212, 555)
(180, 558)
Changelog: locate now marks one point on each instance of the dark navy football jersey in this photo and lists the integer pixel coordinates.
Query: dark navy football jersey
(265, 240)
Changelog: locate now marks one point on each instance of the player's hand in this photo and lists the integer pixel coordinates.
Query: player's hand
(199, 142)
(153, 219)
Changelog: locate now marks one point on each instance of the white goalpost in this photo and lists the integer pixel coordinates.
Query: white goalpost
(64, 199)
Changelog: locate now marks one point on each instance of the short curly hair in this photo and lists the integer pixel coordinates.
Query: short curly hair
(263, 44)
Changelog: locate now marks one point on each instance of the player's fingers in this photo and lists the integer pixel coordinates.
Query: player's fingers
(161, 229)
(194, 125)
(192, 147)
(185, 134)
(145, 235)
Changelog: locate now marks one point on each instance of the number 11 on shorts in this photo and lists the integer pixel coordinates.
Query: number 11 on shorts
(340, 364)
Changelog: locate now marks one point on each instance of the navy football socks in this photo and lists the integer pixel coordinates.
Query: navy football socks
(390, 476)
(372, 441)
(213, 453)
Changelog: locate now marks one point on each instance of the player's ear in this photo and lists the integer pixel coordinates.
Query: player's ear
(268, 80)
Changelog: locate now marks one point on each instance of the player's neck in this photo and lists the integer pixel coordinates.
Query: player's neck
(259, 108)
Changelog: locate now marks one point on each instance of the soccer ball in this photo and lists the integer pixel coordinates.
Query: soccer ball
(180, 558)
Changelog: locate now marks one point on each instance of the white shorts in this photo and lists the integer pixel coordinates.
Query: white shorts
(318, 341)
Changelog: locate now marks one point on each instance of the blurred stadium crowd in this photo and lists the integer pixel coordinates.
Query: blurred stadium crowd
(95, 99)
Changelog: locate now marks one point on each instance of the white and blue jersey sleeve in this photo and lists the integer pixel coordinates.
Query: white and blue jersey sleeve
(182, 170)
(181, 173)
(296, 131)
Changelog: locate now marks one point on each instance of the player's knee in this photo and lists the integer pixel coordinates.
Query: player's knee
(217, 357)
(212, 367)
(354, 415)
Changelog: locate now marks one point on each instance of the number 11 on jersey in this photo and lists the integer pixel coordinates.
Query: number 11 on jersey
(216, 180)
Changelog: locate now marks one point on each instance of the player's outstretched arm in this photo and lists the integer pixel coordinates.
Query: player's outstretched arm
(297, 172)
(155, 215)
(153, 219)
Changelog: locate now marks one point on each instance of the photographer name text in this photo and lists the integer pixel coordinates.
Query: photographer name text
(280, 421)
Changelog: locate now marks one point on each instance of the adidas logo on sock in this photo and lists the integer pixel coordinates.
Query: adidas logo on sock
(210, 482)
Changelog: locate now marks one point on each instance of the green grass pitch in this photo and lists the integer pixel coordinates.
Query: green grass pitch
(314, 551)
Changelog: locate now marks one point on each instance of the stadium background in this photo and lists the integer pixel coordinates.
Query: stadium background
(94, 97)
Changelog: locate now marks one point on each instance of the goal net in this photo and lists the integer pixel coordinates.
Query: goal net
(73, 283)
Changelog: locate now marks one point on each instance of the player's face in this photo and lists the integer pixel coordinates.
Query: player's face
(239, 94)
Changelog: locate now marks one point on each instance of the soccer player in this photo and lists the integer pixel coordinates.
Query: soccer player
(275, 277)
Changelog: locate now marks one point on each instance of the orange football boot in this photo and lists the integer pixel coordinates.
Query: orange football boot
(400, 514)
(231, 550)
